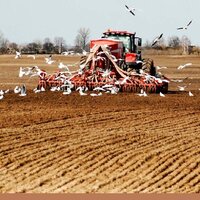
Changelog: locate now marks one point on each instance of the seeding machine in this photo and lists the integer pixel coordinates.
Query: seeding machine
(115, 59)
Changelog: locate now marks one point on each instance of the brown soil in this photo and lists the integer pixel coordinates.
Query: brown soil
(51, 143)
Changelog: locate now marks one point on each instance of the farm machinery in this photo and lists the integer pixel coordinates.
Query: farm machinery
(114, 59)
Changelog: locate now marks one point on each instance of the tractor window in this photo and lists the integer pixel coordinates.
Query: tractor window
(125, 39)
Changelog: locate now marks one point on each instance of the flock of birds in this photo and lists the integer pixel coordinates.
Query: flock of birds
(157, 39)
(67, 86)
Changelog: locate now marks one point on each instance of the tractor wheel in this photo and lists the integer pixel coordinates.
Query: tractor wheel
(164, 88)
(148, 66)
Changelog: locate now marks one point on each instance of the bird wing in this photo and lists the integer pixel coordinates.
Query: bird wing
(156, 39)
(188, 64)
(189, 23)
(154, 42)
(160, 36)
(132, 12)
(23, 89)
(127, 7)
(180, 28)
(161, 94)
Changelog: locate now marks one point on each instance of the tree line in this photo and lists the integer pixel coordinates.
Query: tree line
(180, 45)
(81, 42)
(47, 46)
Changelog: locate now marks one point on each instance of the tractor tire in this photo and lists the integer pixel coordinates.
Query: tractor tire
(164, 88)
(148, 66)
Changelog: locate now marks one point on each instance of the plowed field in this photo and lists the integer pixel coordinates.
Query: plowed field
(51, 143)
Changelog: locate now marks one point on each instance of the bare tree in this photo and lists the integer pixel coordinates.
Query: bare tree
(174, 42)
(1, 38)
(59, 43)
(185, 44)
(147, 44)
(82, 38)
(48, 46)
(4, 44)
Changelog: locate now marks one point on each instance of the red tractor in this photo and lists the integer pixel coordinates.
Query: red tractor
(126, 47)
(115, 59)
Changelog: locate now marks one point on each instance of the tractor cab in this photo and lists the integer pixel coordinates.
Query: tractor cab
(131, 46)
(130, 42)
(124, 46)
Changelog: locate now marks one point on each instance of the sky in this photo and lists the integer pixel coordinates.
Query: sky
(24, 21)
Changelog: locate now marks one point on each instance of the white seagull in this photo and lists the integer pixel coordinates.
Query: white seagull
(161, 94)
(185, 65)
(99, 89)
(182, 88)
(6, 91)
(190, 94)
(62, 66)
(67, 91)
(65, 53)
(49, 60)
(186, 27)
(31, 56)
(17, 90)
(156, 39)
(177, 80)
(25, 71)
(1, 92)
(18, 55)
(142, 93)
(36, 90)
(23, 91)
(81, 91)
(114, 90)
(96, 95)
(1, 96)
(84, 52)
(159, 68)
(131, 10)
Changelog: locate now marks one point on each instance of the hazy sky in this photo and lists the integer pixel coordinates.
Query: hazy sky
(23, 21)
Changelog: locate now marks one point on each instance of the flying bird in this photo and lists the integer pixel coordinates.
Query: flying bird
(24, 71)
(185, 65)
(62, 66)
(18, 55)
(49, 60)
(186, 27)
(159, 68)
(130, 10)
(156, 39)
(96, 95)
(31, 56)
(99, 89)
(182, 88)
(84, 52)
